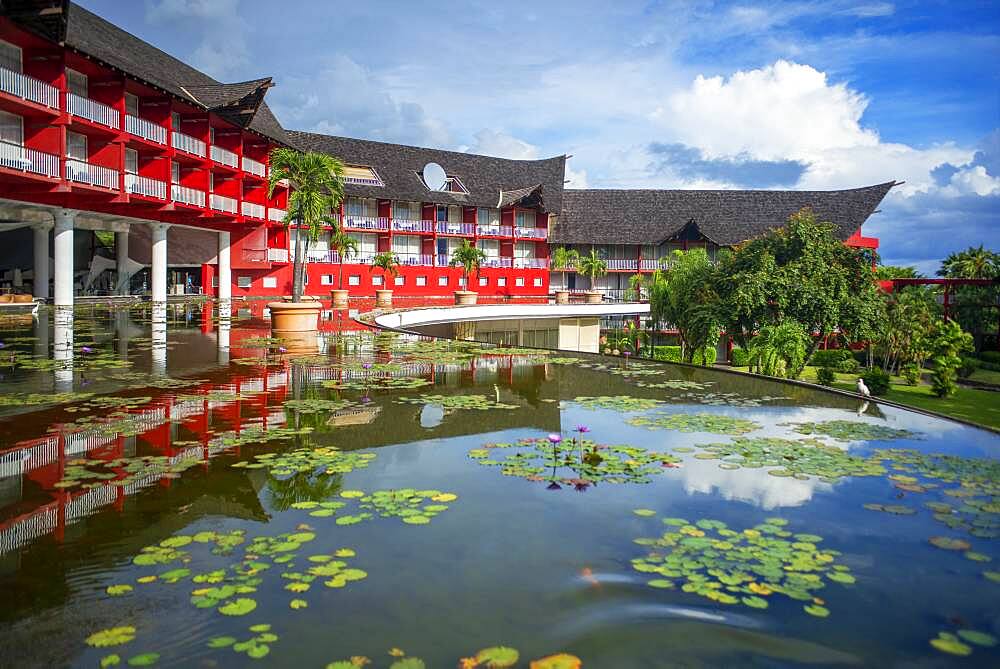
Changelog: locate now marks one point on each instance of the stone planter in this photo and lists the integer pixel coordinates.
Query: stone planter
(292, 317)
(22, 299)
(339, 298)
(562, 297)
(383, 298)
(465, 297)
(594, 297)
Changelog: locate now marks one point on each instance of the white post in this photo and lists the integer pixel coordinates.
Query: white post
(158, 332)
(225, 326)
(225, 274)
(41, 268)
(159, 268)
(62, 346)
(121, 262)
(63, 242)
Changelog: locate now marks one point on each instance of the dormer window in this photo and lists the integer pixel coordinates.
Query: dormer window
(435, 178)
(362, 176)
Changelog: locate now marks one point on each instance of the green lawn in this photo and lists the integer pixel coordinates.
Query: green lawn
(976, 406)
(986, 376)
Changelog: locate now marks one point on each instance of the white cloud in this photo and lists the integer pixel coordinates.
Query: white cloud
(502, 145)
(222, 49)
(973, 180)
(575, 178)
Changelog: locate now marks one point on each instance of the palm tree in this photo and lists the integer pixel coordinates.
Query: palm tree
(470, 258)
(592, 267)
(345, 246)
(316, 189)
(562, 259)
(972, 263)
(388, 262)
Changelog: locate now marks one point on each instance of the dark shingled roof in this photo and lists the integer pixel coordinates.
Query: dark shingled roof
(400, 167)
(726, 217)
(93, 36)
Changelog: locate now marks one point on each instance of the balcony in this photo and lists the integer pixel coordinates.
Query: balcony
(186, 195)
(531, 233)
(16, 157)
(327, 256)
(648, 264)
(494, 262)
(254, 167)
(277, 255)
(187, 144)
(28, 88)
(465, 229)
(415, 260)
(222, 203)
(531, 263)
(224, 156)
(138, 185)
(365, 223)
(252, 210)
(405, 225)
(275, 214)
(619, 264)
(493, 230)
(148, 130)
(83, 172)
(92, 110)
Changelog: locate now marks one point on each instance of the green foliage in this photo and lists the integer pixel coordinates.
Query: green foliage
(992, 357)
(972, 306)
(779, 350)
(903, 332)
(826, 376)
(388, 262)
(563, 259)
(969, 366)
(886, 272)
(877, 380)
(667, 353)
(739, 357)
(684, 296)
(830, 357)
(948, 341)
(345, 246)
(592, 266)
(470, 258)
(911, 373)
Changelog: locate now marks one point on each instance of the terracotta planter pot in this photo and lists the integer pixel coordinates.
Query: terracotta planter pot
(465, 297)
(383, 298)
(594, 297)
(562, 297)
(291, 317)
(6, 299)
(23, 299)
(339, 298)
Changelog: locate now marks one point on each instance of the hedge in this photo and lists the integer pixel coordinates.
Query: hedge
(830, 357)
(673, 354)
(739, 358)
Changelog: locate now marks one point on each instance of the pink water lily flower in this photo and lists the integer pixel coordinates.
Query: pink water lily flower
(555, 438)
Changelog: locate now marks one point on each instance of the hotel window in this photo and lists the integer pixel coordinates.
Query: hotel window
(76, 82)
(491, 247)
(525, 219)
(501, 281)
(175, 172)
(76, 146)
(421, 280)
(10, 56)
(442, 281)
(354, 280)
(211, 135)
(406, 211)
(367, 245)
(11, 129)
(175, 121)
(132, 104)
(362, 176)
(326, 279)
(462, 281)
(524, 250)
(406, 247)
(449, 214)
(483, 281)
(400, 281)
(519, 281)
(269, 282)
(242, 282)
(377, 280)
(131, 161)
(211, 182)
(486, 216)
(362, 207)
(538, 282)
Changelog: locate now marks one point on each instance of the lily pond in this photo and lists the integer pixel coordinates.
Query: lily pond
(180, 489)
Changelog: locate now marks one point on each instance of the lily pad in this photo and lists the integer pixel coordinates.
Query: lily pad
(113, 636)
(238, 607)
(949, 543)
(144, 660)
(560, 661)
(498, 657)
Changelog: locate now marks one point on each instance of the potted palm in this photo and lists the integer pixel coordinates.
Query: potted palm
(562, 260)
(593, 267)
(345, 246)
(388, 263)
(470, 258)
(316, 188)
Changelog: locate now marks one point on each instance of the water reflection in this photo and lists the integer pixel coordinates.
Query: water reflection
(158, 352)
(225, 327)
(62, 350)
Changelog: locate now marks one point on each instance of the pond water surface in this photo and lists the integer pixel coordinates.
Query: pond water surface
(177, 490)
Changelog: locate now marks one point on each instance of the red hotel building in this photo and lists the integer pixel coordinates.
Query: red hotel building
(101, 133)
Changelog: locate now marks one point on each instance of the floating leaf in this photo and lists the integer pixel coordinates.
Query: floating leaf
(817, 610)
(949, 543)
(978, 638)
(298, 604)
(238, 607)
(112, 660)
(498, 657)
(221, 642)
(144, 660)
(118, 590)
(645, 513)
(113, 636)
(948, 643)
(560, 661)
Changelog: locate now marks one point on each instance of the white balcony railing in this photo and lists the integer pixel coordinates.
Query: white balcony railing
(186, 195)
(649, 264)
(17, 157)
(187, 144)
(493, 262)
(493, 230)
(619, 264)
(83, 172)
(140, 127)
(28, 88)
(254, 167)
(404, 225)
(252, 210)
(531, 263)
(222, 203)
(415, 260)
(224, 156)
(145, 186)
(531, 233)
(92, 110)
(445, 228)
(326, 256)
(277, 255)
(365, 223)
(275, 214)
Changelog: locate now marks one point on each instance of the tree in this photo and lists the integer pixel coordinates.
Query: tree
(470, 258)
(947, 343)
(973, 306)
(388, 262)
(316, 189)
(909, 316)
(886, 272)
(779, 350)
(801, 272)
(593, 267)
(563, 259)
(685, 297)
(345, 246)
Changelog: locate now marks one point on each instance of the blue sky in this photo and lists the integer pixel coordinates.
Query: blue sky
(655, 94)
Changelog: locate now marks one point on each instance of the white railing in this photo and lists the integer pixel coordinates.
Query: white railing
(275, 214)
(365, 223)
(277, 255)
(222, 203)
(622, 264)
(145, 186)
(456, 228)
(324, 256)
(83, 172)
(92, 110)
(254, 166)
(363, 181)
(415, 260)
(17, 157)
(186, 195)
(531, 233)
(496, 261)
(649, 264)
(252, 210)
(405, 225)
(224, 156)
(531, 263)
(145, 129)
(28, 88)
(187, 143)
(493, 230)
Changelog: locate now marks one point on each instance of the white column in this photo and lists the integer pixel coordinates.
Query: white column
(63, 242)
(159, 269)
(158, 332)
(225, 326)
(121, 262)
(225, 274)
(62, 347)
(41, 268)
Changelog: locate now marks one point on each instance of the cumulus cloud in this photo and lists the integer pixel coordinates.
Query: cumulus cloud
(575, 178)
(502, 145)
(222, 47)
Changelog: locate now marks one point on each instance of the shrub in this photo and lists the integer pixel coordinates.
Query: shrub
(911, 373)
(948, 342)
(877, 380)
(739, 358)
(969, 365)
(849, 365)
(830, 357)
(826, 376)
(705, 355)
(667, 353)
